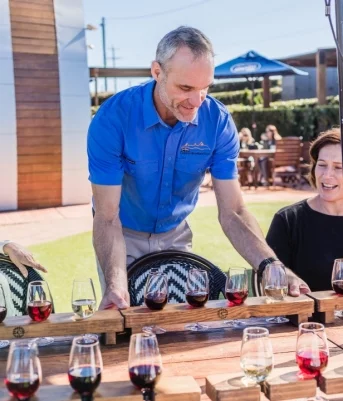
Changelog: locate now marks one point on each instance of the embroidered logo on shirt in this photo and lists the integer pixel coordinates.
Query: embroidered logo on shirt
(196, 148)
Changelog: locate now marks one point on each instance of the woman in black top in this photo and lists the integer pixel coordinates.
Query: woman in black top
(308, 236)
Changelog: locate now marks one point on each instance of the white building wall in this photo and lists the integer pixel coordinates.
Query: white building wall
(8, 125)
(75, 100)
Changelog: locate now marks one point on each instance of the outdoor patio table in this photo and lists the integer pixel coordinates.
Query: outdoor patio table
(256, 154)
(183, 353)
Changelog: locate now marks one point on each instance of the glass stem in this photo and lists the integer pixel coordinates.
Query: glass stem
(148, 394)
(87, 397)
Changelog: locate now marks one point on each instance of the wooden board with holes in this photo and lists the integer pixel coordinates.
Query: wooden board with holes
(181, 388)
(326, 302)
(61, 324)
(300, 307)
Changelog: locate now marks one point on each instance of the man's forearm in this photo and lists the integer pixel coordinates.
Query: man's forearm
(110, 249)
(246, 236)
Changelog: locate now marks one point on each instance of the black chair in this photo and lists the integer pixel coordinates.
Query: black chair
(256, 284)
(18, 284)
(175, 264)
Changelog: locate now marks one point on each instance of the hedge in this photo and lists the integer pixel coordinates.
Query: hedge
(307, 122)
(244, 96)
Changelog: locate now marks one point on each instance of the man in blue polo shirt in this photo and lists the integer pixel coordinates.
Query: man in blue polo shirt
(148, 148)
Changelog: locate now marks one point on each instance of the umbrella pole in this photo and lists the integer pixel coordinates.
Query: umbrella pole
(339, 34)
(253, 123)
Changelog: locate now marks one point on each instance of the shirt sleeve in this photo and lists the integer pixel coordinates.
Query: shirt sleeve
(224, 162)
(104, 147)
(278, 239)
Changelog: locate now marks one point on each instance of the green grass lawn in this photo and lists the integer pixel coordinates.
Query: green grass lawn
(72, 257)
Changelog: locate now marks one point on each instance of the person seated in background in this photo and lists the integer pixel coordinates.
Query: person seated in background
(307, 236)
(245, 138)
(268, 141)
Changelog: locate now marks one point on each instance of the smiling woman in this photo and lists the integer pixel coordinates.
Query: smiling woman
(307, 236)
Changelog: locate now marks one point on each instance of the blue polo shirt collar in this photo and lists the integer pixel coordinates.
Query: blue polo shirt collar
(150, 115)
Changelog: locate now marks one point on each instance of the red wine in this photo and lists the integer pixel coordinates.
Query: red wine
(22, 388)
(39, 311)
(84, 380)
(337, 286)
(312, 364)
(197, 298)
(3, 313)
(236, 297)
(145, 376)
(156, 300)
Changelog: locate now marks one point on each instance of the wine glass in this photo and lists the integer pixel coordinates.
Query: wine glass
(39, 306)
(3, 313)
(85, 366)
(275, 286)
(155, 296)
(312, 351)
(197, 291)
(337, 281)
(236, 290)
(83, 298)
(23, 371)
(145, 363)
(256, 354)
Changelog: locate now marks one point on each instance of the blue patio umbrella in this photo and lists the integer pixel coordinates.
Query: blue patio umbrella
(254, 65)
(251, 66)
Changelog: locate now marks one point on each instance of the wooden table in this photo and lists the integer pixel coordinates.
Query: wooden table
(256, 154)
(183, 353)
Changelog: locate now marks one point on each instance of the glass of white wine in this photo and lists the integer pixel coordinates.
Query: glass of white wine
(83, 298)
(257, 358)
(275, 286)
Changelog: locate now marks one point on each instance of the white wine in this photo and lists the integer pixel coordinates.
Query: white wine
(275, 293)
(84, 308)
(256, 372)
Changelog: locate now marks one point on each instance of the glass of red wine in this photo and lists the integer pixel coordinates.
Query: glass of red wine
(275, 286)
(3, 313)
(197, 292)
(236, 290)
(39, 306)
(145, 363)
(156, 296)
(85, 366)
(23, 371)
(337, 281)
(312, 351)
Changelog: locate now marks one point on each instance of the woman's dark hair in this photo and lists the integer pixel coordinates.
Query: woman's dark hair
(330, 137)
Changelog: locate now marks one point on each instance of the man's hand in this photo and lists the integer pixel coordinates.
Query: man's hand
(296, 285)
(20, 256)
(115, 297)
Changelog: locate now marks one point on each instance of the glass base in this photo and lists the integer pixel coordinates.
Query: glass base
(43, 341)
(4, 343)
(196, 327)
(234, 323)
(277, 320)
(153, 330)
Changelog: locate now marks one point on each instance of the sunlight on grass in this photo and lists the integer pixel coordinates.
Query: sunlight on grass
(73, 257)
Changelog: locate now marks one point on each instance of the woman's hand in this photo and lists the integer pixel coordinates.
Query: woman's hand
(20, 256)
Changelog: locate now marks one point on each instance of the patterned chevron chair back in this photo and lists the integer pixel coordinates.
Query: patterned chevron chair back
(175, 264)
(18, 284)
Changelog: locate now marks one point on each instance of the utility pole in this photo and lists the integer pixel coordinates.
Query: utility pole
(104, 46)
(114, 58)
(339, 34)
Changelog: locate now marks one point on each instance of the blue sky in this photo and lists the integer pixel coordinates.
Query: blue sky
(275, 28)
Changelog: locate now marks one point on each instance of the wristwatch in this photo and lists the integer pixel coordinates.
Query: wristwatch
(264, 264)
(2, 244)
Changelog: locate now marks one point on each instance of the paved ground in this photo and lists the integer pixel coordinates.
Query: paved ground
(38, 226)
